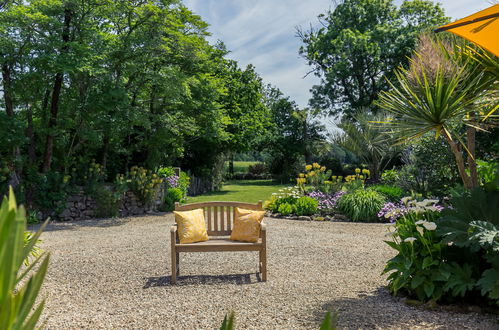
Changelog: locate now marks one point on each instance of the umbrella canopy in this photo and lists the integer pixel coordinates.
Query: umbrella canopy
(482, 28)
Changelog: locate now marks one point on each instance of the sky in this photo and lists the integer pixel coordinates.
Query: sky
(263, 33)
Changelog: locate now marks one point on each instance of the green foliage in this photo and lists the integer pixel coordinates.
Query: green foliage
(361, 205)
(392, 193)
(330, 321)
(144, 184)
(359, 45)
(108, 202)
(306, 206)
(52, 189)
(390, 177)
(488, 173)
(36, 251)
(20, 288)
(228, 322)
(453, 258)
(286, 209)
(172, 196)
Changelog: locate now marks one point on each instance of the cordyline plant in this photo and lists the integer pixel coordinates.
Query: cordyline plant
(18, 289)
(447, 85)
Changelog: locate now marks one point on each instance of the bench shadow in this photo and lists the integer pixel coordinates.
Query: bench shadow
(238, 279)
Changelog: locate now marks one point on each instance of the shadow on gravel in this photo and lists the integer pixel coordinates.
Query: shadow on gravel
(72, 225)
(380, 310)
(239, 279)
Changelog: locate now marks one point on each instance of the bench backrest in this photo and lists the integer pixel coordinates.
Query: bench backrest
(219, 216)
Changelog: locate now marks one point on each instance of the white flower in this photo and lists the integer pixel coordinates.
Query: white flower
(410, 239)
(420, 222)
(430, 225)
(450, 243)
(420, 230)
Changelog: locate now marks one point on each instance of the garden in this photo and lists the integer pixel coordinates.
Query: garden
(114, 112)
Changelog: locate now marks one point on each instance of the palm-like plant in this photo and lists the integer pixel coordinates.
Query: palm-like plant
(440, 92)
(367, 142)
(17, 301)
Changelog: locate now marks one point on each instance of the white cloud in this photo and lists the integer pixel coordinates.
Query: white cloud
(262, 32)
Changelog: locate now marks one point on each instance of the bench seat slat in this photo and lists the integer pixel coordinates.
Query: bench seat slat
(218, 245)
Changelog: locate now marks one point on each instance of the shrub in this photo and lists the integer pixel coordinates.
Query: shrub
(172, 180)
(361, 205)
(286, 209)
(390, 177)
(144, 184)
(108, 202)
(452, 256)
(286, 195)
(306, 206)
(257, 169)
(172, 196)
(393, 193)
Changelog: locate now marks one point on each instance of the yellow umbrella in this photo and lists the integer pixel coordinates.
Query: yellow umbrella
(482, 28)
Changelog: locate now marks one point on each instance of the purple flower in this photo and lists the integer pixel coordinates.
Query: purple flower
(172, 181)
(326, 201)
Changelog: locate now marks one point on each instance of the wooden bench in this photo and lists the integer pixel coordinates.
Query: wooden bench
(219, 218)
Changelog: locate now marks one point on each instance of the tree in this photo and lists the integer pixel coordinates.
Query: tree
(450, 95)
(358, 47)
(294, 137)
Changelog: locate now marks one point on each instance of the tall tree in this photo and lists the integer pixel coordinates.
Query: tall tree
(359, 45)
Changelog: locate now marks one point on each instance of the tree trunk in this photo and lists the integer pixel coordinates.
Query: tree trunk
(470, 135)
(54, 104)
(31, 136)
(459, 161)
(105, 151)
(231, 163)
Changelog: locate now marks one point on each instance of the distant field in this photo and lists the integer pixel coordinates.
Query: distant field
(240, 167)
(250, 191)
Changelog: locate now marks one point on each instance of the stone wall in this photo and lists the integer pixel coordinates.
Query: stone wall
(81, 207)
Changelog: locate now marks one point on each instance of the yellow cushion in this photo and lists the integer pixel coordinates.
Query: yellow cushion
(247, 225)
(191, 226)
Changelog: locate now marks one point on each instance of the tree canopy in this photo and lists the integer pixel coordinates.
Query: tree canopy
(358, 47)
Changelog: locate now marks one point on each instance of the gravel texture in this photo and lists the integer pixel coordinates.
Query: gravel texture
(110, 274)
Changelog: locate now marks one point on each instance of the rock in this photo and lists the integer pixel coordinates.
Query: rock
(66, 213)
(304, 218)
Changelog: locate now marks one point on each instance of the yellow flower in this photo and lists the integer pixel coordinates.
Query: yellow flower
(361, 177)
(334, 177)
(357, 170)
(308, 167)
(311, 173)
(365, 171)
(316, 165)
(301, 175)
(340, 177)
(323, 168)
(327, 182)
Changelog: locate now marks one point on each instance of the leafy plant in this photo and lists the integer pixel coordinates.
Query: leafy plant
(107, 200)
(361, 205)
(393, 193)
(305, 206)
(257, 169)
(286, 209)
(390, 176)
(19, 289)
(144, 184)
(228, 322)
(172, 196)
(330, 321)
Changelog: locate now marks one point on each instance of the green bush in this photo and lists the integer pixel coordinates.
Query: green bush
(393, 193)
(361, 205)
(172, 196)
(144, 184)
(452, 257)
(108, 202)
(306, 206)
(286, 209)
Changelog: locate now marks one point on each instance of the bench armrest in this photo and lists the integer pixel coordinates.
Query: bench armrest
(263, 232)
(173, 233)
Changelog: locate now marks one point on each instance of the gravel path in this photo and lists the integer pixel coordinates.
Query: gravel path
(115, 274)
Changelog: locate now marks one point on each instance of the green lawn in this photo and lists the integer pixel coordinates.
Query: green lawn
(250, 191)
(240, 166)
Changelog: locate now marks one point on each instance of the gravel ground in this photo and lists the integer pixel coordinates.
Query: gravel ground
(111, 274)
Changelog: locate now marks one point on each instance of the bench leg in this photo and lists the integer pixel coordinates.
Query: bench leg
(178, 264)
(263, 264)
(174, 267)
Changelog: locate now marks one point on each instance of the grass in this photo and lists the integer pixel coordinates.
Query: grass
(249, 191)
(240, 166)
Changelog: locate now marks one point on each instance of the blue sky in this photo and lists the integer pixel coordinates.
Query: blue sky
(262, 32)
